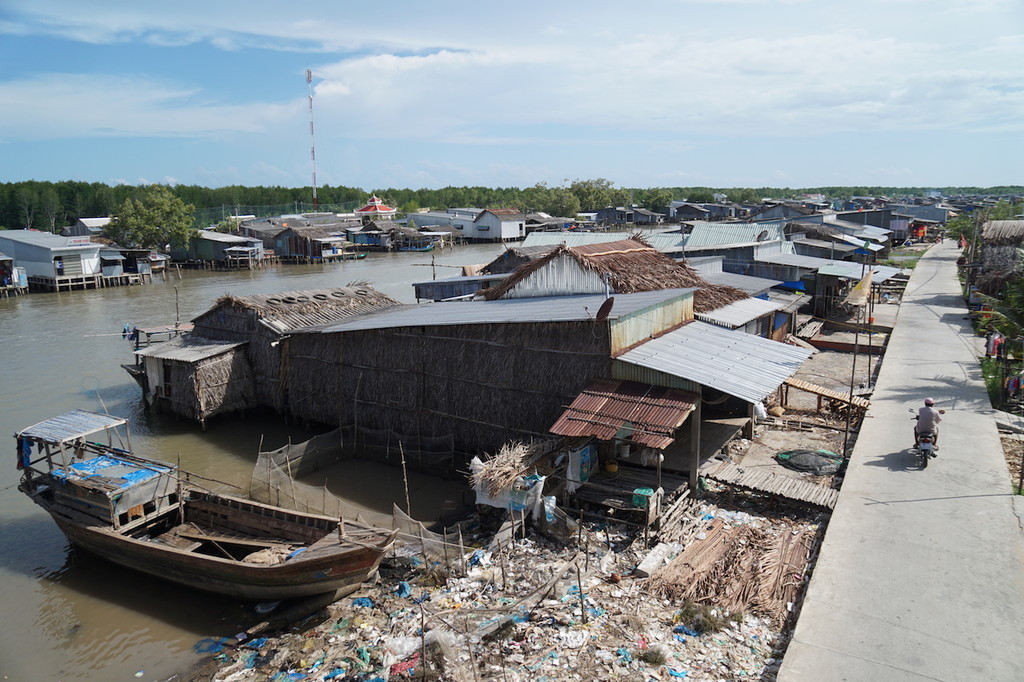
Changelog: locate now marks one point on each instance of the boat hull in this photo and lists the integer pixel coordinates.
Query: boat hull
(315, 575)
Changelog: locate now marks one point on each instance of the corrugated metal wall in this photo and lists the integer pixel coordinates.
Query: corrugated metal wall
(627, 331)
(625, 371)
(560, 277)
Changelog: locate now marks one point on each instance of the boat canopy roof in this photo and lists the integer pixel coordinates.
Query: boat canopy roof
(71, 426)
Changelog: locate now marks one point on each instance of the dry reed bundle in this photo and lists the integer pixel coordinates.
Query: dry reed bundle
(738, 569)
(513, 460)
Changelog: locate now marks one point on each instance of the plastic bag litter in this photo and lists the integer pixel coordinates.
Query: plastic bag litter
(818, 462)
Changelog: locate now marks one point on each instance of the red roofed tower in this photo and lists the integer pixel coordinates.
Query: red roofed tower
(376, 209)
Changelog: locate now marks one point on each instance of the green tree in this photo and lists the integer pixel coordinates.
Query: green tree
(49, 202)
(561, 203)
(28, 199)
(700, 195)
(594, 194)
(657, 199)
(153, 219)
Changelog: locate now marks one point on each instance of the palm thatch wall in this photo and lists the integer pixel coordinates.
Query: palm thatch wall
(215, 385)
(264, 319)
(484, 384)
(629, 266)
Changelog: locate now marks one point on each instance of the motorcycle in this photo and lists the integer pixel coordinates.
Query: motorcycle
(925, 446)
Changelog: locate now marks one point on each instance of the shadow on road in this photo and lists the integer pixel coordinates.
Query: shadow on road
(902, 460)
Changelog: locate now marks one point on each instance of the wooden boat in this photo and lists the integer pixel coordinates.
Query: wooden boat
(146, 516)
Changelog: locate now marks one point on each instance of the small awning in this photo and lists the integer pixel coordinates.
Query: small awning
(647, 415)
(739, 313)
(188, 349)
(862, 243)
(71, 426)
(107, 254)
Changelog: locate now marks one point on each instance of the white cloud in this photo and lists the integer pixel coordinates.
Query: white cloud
(559, 78)
(56, 105)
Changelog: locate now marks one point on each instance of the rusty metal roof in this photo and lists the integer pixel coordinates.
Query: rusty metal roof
(649, 414)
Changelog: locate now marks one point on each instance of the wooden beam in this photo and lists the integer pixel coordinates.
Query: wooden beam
(695, 418)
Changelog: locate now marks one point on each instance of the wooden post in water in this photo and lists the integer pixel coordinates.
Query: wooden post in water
(405, 480)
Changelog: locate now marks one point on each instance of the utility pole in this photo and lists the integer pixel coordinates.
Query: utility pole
(312, 137)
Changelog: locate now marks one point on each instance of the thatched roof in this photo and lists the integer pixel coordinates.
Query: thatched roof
(631, 266)
(1003, 232)
(290, 310)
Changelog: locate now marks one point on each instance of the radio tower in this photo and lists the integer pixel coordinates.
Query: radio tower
(312, 137)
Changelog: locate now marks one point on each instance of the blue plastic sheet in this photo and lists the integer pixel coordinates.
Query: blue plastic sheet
(403, 590)
(364, 602)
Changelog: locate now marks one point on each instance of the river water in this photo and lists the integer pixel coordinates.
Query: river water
(70, 616)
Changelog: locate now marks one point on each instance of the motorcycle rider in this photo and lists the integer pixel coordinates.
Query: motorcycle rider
(928, 422)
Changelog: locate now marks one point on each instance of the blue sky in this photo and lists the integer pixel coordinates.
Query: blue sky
(719, 93)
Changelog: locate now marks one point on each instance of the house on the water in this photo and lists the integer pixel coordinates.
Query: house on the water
(301, 243)
(87, 227)
(219, 249)
(243, 340)
(476, 224)
(13, 280)
(52, 262)
(482, 373)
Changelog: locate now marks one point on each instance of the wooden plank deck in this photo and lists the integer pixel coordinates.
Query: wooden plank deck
(857, 401)
(772, 483)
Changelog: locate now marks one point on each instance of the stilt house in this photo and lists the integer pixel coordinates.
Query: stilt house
(233, 360)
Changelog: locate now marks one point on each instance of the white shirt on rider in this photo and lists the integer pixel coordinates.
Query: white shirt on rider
(927, 419)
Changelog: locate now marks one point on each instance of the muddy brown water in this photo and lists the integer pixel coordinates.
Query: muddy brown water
(71, 616)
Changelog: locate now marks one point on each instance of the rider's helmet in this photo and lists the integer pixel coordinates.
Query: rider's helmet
(929, 402)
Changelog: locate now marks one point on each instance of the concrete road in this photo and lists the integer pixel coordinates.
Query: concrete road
(921, 574)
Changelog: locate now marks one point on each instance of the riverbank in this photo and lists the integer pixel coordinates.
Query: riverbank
(584, 610)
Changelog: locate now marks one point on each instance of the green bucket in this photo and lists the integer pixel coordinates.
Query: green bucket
(642, 497)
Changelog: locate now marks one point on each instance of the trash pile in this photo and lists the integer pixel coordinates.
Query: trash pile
(601, 607)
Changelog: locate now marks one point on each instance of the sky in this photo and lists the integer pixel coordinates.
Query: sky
(661, 93)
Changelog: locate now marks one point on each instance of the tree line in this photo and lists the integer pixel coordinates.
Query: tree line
(54, 205)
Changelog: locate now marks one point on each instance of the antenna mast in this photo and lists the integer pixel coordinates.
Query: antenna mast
(312, 137)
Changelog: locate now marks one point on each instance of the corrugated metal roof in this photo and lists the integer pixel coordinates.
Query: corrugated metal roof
(859, 229)
(861, 243)
(739, 313)
(650, 414)
(668, 242)
(741, 365)
(834, 246)
(707, 235)
(793, 260)
(505, 311)
(790, 301)
(46, 240)
(223, 237)
(71, 426)
(751, 285)
(582, 238)
(464, 278)
(856, 271)
(187, 349)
